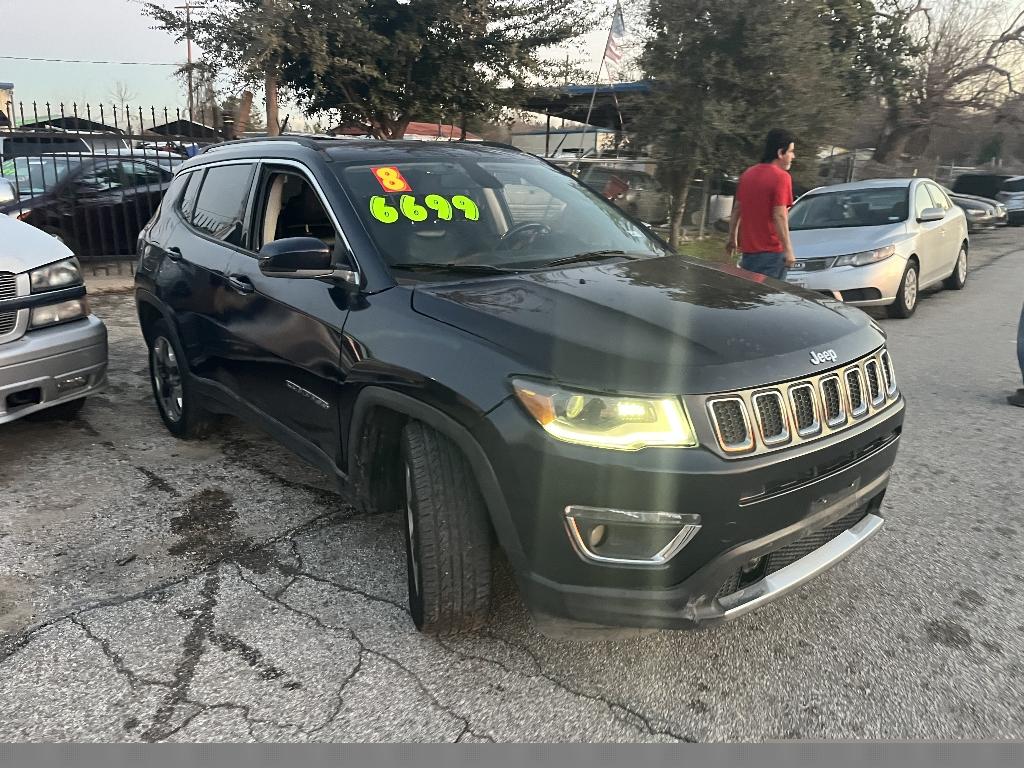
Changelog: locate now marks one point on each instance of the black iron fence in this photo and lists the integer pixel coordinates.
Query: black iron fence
(93, 177)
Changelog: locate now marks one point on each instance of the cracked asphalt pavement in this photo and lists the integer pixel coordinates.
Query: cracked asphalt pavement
(158, 590)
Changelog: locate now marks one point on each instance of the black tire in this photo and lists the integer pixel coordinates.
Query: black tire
(447, 536)
(957, 280)
(183, 414)
(63, 412)
(906, 299)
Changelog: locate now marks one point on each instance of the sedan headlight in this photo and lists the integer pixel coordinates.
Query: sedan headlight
(865, 257)
(66, 311)
(61, 274)
(607, 421)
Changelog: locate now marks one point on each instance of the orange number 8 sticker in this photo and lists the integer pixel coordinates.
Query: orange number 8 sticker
(391, 179)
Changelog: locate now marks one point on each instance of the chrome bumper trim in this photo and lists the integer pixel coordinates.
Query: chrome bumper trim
(797, 574)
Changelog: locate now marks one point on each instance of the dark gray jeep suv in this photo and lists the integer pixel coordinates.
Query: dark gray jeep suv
(464, 335)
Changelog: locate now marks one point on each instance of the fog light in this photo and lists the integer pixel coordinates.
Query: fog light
(628, 537)
(72, 382)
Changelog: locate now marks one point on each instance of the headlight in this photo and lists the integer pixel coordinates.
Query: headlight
(865, 257)
(975, 212)
(51, 314)
(607, 421)
(60, 274)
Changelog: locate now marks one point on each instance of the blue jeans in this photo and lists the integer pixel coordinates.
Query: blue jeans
(768, 264)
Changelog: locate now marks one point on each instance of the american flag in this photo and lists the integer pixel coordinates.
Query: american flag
(616, 36)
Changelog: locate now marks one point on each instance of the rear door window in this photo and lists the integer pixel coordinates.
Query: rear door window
(1013, 185)
(220, 207)
(188, 198)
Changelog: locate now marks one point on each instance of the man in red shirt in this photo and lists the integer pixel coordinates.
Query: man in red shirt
(760, 212)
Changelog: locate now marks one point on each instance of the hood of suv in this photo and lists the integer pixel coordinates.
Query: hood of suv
(658, 326)
(23, 247)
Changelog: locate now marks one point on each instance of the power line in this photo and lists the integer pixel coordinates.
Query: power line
(88, 61)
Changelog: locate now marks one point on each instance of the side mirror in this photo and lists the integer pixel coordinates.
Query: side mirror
(301, 257)
(8, 192)
(932, 214)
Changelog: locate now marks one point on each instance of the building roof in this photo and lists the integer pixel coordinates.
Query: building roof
(615, 106)
(186, 128)
(72, 123)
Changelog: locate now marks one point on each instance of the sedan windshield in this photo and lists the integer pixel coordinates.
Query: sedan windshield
(511, 214)
(850, 208)
(34, 175)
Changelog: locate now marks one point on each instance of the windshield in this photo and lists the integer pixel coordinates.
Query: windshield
(850, 208)
(499, 213)
(34, 175)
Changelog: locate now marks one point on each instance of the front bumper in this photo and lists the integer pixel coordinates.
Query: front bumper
(50, 366)
(540, 478)
(868, 286)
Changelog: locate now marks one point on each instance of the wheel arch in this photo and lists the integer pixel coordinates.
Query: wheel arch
(377, 420)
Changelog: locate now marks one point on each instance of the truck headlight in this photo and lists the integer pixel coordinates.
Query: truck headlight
(606, 421)
(64, 312)
(60, 274)
(865, 257)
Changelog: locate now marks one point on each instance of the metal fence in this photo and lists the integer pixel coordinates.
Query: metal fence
(93, 177)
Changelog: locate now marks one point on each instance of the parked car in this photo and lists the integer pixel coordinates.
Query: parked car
(634, 191)
(981, 212)
(53, 352)
(878, 243)
(1002, 187)
(32, 143)
(652, 441)
(95, 204)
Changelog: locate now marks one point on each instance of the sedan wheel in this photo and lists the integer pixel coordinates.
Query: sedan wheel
(906, 298)
(958, 279)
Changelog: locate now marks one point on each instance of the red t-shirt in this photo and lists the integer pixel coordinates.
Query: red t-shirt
(761, 188)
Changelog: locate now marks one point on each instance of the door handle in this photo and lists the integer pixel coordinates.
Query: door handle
(241, 284)
(174, 253)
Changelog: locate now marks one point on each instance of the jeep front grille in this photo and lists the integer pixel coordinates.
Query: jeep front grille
(874, 382)
(890, 377)
(805, 409)
(772, 419)
(855, 389)
(8, 286)
(760, 420)
(832, 398)
(729, 417)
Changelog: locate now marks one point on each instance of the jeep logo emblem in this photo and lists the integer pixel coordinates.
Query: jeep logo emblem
(825, 356)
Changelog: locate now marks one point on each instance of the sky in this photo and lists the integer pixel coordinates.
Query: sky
(109, 30)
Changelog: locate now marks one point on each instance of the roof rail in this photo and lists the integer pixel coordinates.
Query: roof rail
(309, 140)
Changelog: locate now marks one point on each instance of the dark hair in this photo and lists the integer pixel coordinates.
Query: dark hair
(777, 139)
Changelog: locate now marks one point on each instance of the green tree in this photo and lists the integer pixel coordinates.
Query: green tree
(384, 63)
(725, 71)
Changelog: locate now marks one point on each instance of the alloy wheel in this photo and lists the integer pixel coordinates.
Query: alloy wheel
(167, 379)
(961, 266)
(910, 288)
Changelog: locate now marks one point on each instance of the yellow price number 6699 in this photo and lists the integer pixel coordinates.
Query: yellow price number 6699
(385, 213)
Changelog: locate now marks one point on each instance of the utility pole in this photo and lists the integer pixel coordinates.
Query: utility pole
(187, 7)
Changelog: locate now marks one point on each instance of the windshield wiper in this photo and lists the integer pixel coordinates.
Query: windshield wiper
(479, 269)
(588, 256)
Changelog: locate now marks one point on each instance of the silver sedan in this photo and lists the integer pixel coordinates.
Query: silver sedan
(878, 243)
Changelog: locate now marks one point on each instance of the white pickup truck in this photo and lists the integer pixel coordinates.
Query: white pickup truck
(53, 352)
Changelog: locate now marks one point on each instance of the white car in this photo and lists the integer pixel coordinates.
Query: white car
(878, 243)
(53, 352)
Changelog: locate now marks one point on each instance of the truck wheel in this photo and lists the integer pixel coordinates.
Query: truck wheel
(906, 296)
(176, 399)
(447, 537)
(958, 279)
